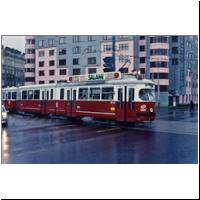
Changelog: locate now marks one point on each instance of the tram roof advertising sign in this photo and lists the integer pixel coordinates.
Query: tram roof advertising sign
(95, 77)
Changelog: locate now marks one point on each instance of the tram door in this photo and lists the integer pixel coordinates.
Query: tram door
(121, 109)
(73, 102)
(44, 101)
(69, 103)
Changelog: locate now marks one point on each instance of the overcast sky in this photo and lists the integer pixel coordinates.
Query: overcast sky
(17, 42)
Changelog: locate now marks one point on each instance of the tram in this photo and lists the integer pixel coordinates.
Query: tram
(108, 96)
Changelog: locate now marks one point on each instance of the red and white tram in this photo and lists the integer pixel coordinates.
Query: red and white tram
(112, 95)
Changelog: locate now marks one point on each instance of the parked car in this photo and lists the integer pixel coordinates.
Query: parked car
(4, 116)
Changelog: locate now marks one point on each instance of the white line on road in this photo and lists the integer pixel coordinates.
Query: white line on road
(106, 130)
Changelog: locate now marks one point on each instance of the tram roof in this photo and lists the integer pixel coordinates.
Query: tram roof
(124, 79)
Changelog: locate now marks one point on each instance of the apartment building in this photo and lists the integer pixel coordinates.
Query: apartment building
(53, 58)
(13, 62)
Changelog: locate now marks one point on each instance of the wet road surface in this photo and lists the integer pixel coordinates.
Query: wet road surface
(172, 138)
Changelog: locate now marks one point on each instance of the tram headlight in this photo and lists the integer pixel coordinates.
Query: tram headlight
(143, 108)
(151, 109)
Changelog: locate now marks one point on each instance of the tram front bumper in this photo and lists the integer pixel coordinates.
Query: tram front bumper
(141, 117)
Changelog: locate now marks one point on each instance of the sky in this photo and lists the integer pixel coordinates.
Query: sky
(17, 42)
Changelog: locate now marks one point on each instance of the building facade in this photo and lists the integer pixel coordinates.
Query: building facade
(50, 59)
(13, 62)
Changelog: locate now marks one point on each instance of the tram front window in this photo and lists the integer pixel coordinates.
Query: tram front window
(147, 95)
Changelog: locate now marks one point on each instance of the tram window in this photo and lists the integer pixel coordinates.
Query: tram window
(48, 95)
(147, 95)
(131, 98)
(14, 95)
(51, 93)
(24, 94)
(94, 93)
(83, 93)
(30, 94)
(3, 95)
(62, 93)
(37, 94)
(74, 95)
(19, 95)
(131, 94)
(120, 94)
(107, 93)
(68, 95)
(9, 95)
(42, 95)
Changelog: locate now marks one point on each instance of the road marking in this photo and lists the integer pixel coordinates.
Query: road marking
(68, 125)
(106, 130)
(31, 152)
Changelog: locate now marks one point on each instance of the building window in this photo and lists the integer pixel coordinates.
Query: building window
(142, 37)
(30, 51)
(123, 47)
(158, 39)
(163, 88)
(107, 47)
(41, 43)
(91, 49)
(30, 61)
(91, 38)
(62, 51)
(41, 73)
(175, 50)
(51, 72)
(159, 75)
(76, 50)
(92, 60)
(51, 81)
(76, 72)
(63, 71)
(75, 61)
(29, 70)
(124, 70)
(52, 63)
(76, 39)
(142, 48)
(174, 38)
(142, 59)
(50, 42)
(29, 79)
(30, 41)
(158, 64)
(51, 52)
(123, 58)
(92, 70)
(107, 37)
(123, 37)
(174, 61)
(41, 82)
(41, 64)
(41, 53)
(158, 52)
(142, 70)
(62, 40)
(62, 62)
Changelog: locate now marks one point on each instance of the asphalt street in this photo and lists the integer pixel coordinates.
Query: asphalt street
(171, 139)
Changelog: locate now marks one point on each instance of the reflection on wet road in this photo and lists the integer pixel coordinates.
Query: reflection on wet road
(171, 138)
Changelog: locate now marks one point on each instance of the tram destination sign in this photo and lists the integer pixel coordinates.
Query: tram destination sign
(95, 77)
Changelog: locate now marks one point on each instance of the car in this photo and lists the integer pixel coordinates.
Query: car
(4, 115)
